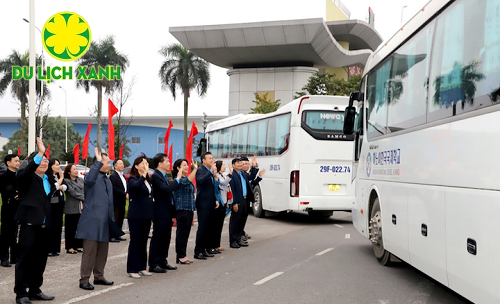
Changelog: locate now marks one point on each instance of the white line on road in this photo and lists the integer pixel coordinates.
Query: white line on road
(96, 293)
(347, 236)
(337, 225)
(324, 251)
(268, 278)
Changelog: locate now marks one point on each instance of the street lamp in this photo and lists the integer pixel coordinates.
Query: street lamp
(41, 84)
(205, 123)
(402, 13)
(66, 106)
(32, 81)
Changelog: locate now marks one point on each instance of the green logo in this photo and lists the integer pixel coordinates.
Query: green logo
(66, 36)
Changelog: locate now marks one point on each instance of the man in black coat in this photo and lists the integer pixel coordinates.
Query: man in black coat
(10, 202)
(120, 195)
(205, 203)
(242, 195)
(35, 190)
(163, 213)
(254, 180)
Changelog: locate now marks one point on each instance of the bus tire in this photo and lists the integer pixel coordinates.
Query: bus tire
(375, 232)
(257, 203)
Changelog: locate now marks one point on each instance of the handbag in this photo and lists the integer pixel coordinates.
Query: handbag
(229, 193)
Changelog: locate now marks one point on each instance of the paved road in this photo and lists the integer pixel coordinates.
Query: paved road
(291, 259)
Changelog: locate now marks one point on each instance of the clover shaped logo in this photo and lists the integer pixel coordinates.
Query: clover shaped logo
(66, 36)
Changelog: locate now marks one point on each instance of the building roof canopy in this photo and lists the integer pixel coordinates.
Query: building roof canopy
(307, 42)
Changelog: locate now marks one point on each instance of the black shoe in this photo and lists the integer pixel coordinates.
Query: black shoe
(168, 267)
(157, 269)
(208, 255)
(183, 263)
(247, 236)
(234, 245)
(41, 297)
(23, 300)
(53, 254)
(87, 286)
(243, 244)
(103, 282)
(243, 238)
(200, 256)
(213, 251)
(121, 239)
(6, 264)
(113, 240)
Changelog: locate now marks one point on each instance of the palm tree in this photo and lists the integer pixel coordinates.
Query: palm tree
(184, 70)
(101, 54)
(20, 88)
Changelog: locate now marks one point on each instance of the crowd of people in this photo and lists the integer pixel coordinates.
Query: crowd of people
(35, 198)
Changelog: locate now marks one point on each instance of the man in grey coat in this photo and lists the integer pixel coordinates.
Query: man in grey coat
(93, 226)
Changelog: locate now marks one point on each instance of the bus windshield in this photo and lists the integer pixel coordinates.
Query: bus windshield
(323, 120)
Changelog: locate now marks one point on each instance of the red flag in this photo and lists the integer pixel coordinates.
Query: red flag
(120, 156)
(19, 151)
(76, 152)
(170, 158)
(167, 135)
(112, 110)
(189, 146)
(47, 152)
(85, 147)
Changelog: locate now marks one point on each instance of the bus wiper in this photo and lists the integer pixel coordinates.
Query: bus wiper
(379, 128)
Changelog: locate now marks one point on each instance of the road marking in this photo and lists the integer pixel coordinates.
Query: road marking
(96, 293)
(268, 278)
(324, 251)
(337, 225)
(347, 236)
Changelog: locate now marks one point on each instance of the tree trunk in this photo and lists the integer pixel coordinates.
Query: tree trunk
(99, 115)
(185, 120)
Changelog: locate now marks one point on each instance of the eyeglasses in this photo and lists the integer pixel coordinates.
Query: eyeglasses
(45, 161)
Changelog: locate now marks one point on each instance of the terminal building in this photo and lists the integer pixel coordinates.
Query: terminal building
(278, 57)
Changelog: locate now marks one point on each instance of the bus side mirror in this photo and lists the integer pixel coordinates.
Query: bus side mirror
(350, 112)
(202, 147)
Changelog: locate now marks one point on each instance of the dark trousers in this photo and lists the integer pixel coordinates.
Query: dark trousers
(8, 237)
(71, 223)
(216, 224)
(184, 221)
(56, 222)
(244, 217)
(235, 222)
(94, 257)
(202, 233)
(160, 242)
(138, 247)
(119, 216)
(33, 249)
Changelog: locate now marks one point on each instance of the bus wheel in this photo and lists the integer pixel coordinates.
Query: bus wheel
(375, 232)
(257, 203)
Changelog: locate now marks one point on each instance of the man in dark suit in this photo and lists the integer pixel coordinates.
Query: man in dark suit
(10, 202)
(120, 195)
(94, 223)
(205, 203)
(254, 180)
(163, 209)
(242, 195)
(35, 190)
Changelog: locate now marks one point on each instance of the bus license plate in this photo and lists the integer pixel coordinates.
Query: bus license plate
(333, 187)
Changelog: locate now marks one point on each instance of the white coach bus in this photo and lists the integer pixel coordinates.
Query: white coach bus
(428, 172)
(302, 147)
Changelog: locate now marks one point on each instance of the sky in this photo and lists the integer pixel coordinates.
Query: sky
(140, 29)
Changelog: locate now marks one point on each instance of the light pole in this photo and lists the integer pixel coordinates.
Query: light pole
(66, 106)
(41, 84)
(32, 82)
(158, 141)
(402, 13)
(205, 123)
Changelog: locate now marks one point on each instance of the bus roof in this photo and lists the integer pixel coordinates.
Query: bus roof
(289, 107)
(405, 32)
